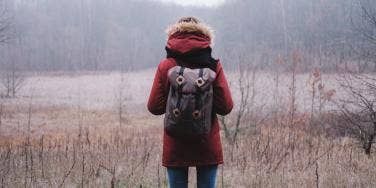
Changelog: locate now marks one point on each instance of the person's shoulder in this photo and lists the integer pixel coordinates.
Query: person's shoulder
(218, 66)
(166, 64)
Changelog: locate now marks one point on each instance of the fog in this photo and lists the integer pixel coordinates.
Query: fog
(75, 77)
(92, 35)
(208, 3)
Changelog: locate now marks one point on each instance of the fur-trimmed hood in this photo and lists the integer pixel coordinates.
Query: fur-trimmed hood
(190, 27)
(185, 37)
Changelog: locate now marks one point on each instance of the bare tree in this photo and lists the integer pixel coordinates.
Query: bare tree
(4, 23)
(315, 79)
(122, 96)
(364, 28)
(368, 13)
(248, 114)
(243, 87)
(359, 108)
(4, 26)
(296, 60)
(1, 113)
(12, 79)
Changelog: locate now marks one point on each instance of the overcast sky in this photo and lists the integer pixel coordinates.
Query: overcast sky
(196, 2)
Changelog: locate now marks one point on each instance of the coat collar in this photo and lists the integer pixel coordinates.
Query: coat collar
(185, 27)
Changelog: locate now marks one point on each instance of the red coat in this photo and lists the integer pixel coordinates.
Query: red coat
(209, 149)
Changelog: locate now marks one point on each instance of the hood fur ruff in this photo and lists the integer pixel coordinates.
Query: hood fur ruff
(190, 27)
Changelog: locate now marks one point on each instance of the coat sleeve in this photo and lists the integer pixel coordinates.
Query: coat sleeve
(222, 100)
(159, 91)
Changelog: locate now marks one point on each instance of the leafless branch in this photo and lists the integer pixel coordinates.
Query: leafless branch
(359, 110)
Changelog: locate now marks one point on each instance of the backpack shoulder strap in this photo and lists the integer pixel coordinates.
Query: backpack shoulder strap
(198, 103)
(181, 71)
(201, 73)
(180, 92)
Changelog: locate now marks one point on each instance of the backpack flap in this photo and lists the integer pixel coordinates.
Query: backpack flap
(189, 104)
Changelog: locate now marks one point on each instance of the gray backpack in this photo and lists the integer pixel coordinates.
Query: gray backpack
(190, 101)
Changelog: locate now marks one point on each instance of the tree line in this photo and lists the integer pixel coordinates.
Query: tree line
(71, 35)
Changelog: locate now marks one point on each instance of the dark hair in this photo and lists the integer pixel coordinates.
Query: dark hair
(189, 19)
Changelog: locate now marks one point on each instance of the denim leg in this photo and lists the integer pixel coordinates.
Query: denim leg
(206, 176)
(177, 177)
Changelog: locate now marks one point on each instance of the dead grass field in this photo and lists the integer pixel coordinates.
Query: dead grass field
(58, 155)
(59, 144)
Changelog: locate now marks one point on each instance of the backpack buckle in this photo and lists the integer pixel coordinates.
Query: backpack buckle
(200, 82)
(176, 112)
(180, 79)
(196, 114)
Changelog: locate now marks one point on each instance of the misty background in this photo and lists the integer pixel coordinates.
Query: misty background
(107, 35)
(75, 77)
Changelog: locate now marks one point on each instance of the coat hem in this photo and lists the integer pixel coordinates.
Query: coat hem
(191, 164)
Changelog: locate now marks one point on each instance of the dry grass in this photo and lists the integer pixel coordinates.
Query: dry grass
(76, 139)
(270, 160)
(71, 147)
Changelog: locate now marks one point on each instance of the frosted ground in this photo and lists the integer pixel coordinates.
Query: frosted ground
(104, 90)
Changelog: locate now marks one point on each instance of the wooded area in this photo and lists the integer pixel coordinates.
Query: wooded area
(125, 34)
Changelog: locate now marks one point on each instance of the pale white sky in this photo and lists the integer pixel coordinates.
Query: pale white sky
(196, 2)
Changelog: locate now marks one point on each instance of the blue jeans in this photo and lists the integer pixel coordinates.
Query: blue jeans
(206, 176)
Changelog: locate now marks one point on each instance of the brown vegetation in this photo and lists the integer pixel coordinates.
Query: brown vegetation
(105, 154)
